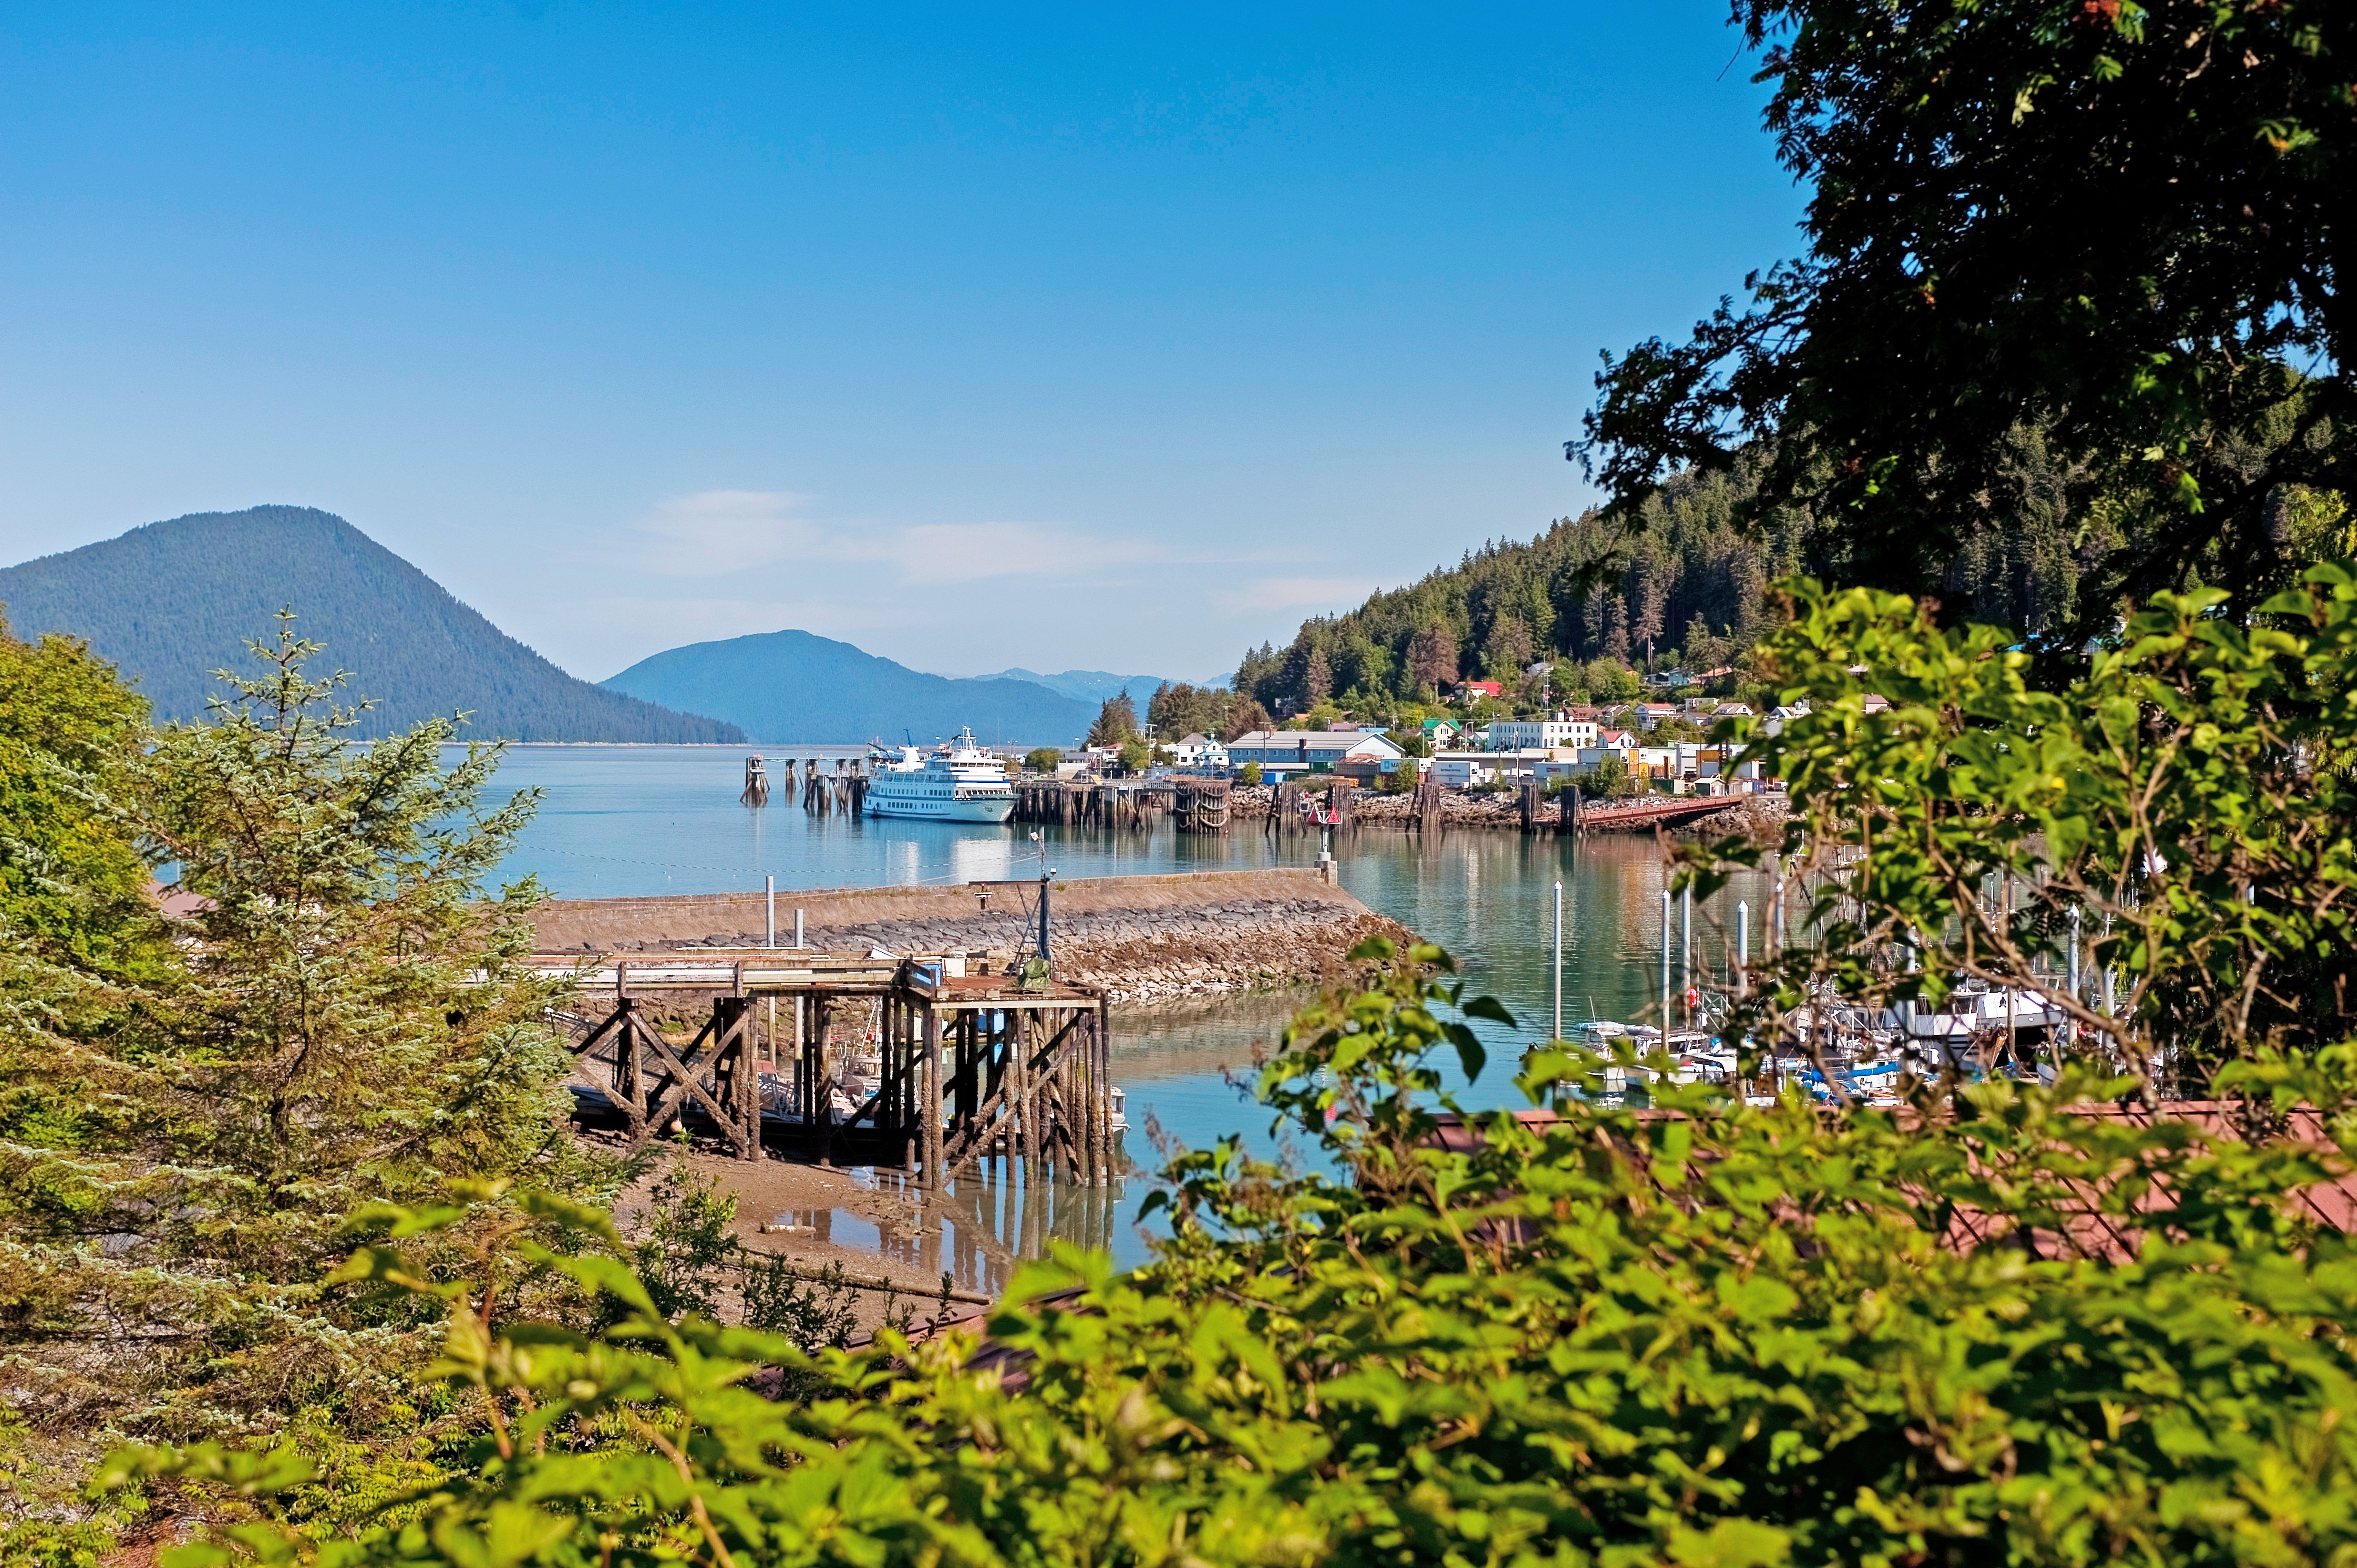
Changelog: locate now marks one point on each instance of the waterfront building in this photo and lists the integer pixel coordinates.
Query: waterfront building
(1560, 729)
(1463, 770)
(1284, 752)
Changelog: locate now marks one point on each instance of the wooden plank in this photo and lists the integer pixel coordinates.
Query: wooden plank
(672, 1097)
(597, 1033)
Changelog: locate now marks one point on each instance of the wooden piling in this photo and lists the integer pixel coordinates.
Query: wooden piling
(930, 1100)
(1101, 1057)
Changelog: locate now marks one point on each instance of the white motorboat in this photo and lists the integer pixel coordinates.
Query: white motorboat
(1974, 1018)
(957, 783)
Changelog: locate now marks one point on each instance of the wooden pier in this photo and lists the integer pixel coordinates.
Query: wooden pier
(1189, 805)
(962, 1066)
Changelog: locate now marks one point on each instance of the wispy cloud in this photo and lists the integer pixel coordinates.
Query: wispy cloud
(1294, 593)
(950, 551)
(715, 531)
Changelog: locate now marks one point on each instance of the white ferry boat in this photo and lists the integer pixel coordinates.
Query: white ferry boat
(959, 783)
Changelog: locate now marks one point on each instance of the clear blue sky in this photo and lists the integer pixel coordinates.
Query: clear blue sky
(975, 336)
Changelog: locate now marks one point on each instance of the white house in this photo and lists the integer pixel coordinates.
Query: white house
(1283, 752)
(1198, 750)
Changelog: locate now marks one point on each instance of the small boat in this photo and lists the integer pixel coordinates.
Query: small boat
(958, 783)
(1697, 1057)
(1973, 1020)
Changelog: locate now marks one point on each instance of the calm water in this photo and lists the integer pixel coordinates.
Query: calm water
(633, 821)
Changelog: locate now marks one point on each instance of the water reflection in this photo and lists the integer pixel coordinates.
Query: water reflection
(980, 1230)
(630, 820)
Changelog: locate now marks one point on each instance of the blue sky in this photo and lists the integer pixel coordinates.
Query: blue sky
(1065, 337)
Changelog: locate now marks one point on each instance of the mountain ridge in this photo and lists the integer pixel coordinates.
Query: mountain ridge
(1085, 686)
(169, 602)
(793, 686)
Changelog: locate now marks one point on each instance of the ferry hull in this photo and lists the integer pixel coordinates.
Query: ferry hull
(933, 811)
(960, 783)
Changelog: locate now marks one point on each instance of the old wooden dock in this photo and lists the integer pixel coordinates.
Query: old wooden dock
(1191, 805)
(960, 1067)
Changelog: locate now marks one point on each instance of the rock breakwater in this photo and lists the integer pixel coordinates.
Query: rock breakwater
(1136, 939)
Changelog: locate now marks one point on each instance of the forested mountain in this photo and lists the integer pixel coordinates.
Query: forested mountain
(172, 602)
(793, 686)
(1687, 586)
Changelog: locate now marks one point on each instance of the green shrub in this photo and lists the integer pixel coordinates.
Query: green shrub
(1682, 1328)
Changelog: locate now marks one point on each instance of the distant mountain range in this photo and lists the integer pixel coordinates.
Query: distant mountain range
(171, 602)
(789, 686)
(1088, 685)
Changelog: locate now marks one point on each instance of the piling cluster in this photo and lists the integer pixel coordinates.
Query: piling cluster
(843, 792)
(1188, 805)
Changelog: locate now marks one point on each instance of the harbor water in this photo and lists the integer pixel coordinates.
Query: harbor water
(617, 821)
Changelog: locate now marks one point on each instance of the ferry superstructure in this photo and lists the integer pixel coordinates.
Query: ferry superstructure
(959, 783)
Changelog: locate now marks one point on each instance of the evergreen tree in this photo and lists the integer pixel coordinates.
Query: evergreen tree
(1116, 721)
(1432, 656)
(1507, 650)
(1317, 677)
(339, 1020)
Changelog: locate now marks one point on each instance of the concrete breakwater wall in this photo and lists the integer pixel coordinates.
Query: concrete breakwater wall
(1134, 937)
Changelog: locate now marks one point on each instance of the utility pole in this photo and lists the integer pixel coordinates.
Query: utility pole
(1045, 878)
